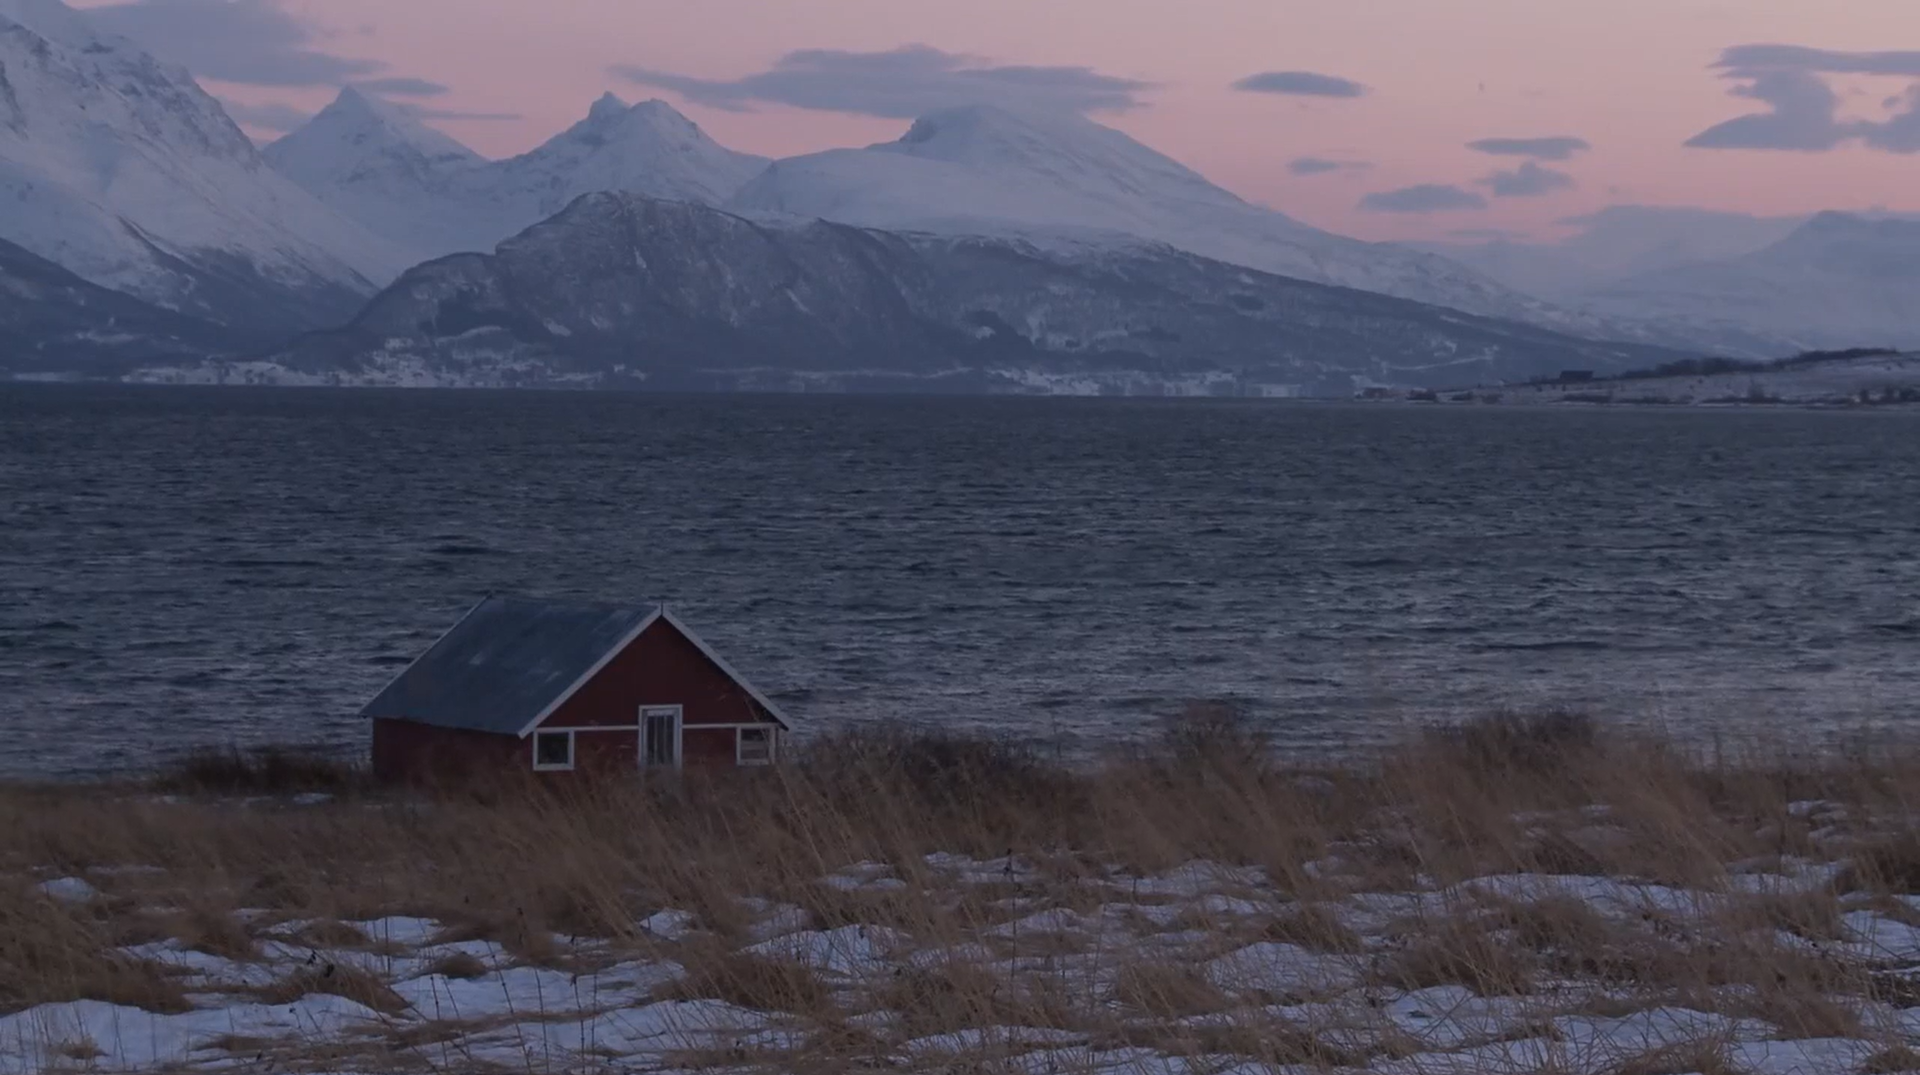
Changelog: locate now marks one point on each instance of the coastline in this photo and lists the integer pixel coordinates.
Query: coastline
(1870, 381)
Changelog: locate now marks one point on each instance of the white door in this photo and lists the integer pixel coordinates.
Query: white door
(660, 735)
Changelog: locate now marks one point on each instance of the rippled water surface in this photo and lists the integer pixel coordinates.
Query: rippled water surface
(207, 566)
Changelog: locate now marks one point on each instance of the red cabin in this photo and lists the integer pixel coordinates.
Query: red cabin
(563, 687)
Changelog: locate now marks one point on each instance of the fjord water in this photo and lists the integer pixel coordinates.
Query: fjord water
(185, 567)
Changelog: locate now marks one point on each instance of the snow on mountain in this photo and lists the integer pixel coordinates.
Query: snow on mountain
(1839, 280)
(380, 166)
(991, 171)
(53, 322)
(121, 169)
(1617, 242)
(623, 290)
(647, 148)
(364, 141)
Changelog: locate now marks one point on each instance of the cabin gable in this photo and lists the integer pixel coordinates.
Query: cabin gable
(660, 667)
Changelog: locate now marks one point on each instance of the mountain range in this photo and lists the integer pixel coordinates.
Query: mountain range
(986, 245)
(375, 163)
(1736, 284)
(622, 289)
(120, 169)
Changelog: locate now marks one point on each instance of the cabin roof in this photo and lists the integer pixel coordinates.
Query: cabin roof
(511, 661)
(507, 662)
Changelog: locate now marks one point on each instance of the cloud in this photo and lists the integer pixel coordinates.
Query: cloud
(1901, 134)
(899, 83)
(1423, 198)
(248, 42)
(1300, 84)
(402, 87)
(1556, 148)
(1321, 166)
(1802, 108)
(1802, 116)
(269, 117)
(1528, 181)
(1801, 58)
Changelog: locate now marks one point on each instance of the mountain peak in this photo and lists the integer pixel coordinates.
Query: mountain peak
(354, 103)
(358, 126)
(362, 140)
(608, 108)
(962, 129)
(50, 19)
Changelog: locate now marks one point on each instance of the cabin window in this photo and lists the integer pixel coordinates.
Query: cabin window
(553, 750)
(755, 746)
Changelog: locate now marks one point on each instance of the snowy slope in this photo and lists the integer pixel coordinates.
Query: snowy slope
(381, 167)
(53, 322)
(121, 169)
(1618, 242)
(1839, 280)
(647, 148)
(990, 171)
(620, 289)
(385, 169)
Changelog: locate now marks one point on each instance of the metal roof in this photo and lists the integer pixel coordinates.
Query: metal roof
(508, 662)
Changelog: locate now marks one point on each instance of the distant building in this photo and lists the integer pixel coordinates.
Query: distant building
(568, 688)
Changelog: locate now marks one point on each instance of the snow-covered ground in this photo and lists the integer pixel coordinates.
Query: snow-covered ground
(1206, 969)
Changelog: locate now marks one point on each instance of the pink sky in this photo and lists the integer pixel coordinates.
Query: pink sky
(1630, 76)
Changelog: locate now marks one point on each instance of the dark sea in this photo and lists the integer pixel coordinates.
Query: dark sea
(188, 567)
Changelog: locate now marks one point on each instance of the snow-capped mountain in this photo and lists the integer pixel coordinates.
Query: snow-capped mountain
(1839, 280)
(1618, 242)
(647, 148)
(385, 169)
(122, 170)
(371, 161)
(984, 170)
(620, 289)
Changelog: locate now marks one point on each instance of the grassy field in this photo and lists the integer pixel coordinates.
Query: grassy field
(1524, 894)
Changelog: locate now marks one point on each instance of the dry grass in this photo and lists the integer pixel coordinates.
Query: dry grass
(771, 985)
(52, 952)
(265, 771)
(1169, 992)
(1313, 927)
(1550, 794)
(332, 933)
(458, 965)
(1891, 1061)
(1694, 1059)
(1460, 952)
(208, 929)
(340, 980)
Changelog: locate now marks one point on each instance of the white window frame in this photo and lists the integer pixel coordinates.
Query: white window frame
(740, 739)
(679, 733)
(550, 767)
